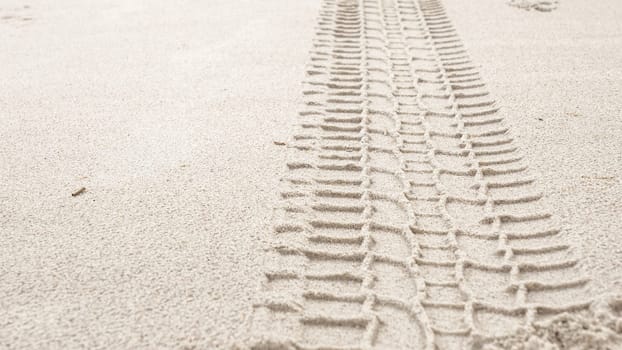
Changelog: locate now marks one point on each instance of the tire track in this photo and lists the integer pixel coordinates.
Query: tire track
(408, 219)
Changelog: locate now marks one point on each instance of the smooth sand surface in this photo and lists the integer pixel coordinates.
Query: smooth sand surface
(167, 113)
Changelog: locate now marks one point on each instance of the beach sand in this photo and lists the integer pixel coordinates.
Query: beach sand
(166, 113)
(179, 121)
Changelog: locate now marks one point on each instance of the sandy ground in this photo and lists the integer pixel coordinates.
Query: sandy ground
(562, 67)
(166, 113)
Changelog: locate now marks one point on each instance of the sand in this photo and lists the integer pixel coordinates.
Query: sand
(165, 112)
(551, 66)
(179, 120)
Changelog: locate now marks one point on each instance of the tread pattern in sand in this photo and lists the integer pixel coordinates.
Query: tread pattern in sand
(408, 219)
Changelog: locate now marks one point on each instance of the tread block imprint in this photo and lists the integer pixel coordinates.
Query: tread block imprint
(408, 219)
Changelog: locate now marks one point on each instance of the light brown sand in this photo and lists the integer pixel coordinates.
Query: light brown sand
(562, 67)
(167, 112)
(406, 219)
